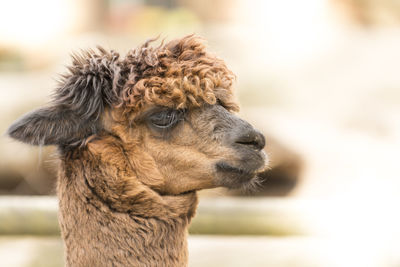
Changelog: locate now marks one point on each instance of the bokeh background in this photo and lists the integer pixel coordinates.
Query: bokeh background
(320, 78)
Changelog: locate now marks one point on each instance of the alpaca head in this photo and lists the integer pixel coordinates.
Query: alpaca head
(170, 107)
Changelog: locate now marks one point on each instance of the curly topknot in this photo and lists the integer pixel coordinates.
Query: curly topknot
(179, 74)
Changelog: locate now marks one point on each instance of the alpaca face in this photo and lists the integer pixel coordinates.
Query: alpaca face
(195, 149)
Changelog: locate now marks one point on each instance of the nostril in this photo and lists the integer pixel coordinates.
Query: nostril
(252, 139)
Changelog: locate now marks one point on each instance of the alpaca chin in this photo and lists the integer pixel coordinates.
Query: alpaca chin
(242, 175)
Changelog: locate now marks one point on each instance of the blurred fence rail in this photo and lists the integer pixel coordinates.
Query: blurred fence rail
(215, 216)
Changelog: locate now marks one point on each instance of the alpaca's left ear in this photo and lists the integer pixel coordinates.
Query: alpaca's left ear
(52, 126)
(78, 105)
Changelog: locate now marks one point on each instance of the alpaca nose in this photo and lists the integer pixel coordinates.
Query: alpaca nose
(251, 138)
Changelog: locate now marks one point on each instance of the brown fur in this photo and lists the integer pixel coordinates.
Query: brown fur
(108, 218)
(180, 74)
(137, 138)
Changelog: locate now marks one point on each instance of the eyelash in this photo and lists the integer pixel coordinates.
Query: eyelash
(166, 119)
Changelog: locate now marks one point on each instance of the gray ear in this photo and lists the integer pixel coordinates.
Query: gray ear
(78, 104)
(52, 126)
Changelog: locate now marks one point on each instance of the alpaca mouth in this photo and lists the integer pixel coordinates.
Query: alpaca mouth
(234, 177)
(225, 167)
(240, 174)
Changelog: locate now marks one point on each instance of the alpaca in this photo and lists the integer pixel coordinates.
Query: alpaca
(136, 138)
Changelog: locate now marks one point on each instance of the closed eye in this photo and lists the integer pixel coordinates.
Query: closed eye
(166, 119)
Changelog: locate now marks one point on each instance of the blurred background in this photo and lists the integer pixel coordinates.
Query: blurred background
(320, 78)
